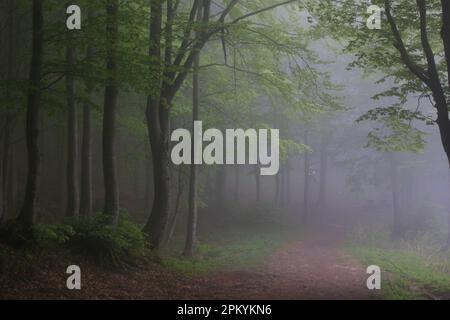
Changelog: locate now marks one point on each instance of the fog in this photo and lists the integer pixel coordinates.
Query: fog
(91, 114)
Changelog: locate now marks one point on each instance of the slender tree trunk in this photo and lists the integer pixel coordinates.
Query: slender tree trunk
(191, 236)
(7, 162)
(157, 222)
(306, 182)
(288, 181)
(72, 186)
(28, 212)
(148, 184)
(323, 173)
(220, 191)
(61, 174)
(6, 166)
(86, 149)
(236, 185)
(86, 163)
(158, 124)
(277, 188)
(174, 216)
(396, 227)
(282, 185)
(111, 205)
(258, 185)
(11, 186)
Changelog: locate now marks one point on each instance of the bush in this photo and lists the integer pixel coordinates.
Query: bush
(40, 235)
(119, 247)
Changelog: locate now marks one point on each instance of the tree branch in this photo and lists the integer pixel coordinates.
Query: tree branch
(399, 44)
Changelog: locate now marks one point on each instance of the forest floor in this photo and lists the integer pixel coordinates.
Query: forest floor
(315, 267)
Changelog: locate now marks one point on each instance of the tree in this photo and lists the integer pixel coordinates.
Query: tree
(168, 77)
(86, 148)
(28, 212)
(7, 161)
(405, 50)
(191, 235)
(307, 182)
(111, 205)
(72, 136)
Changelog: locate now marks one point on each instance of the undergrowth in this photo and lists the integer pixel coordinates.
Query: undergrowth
(122, 246)
(412, 268)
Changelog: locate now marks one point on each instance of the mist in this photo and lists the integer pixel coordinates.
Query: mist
(211, 150)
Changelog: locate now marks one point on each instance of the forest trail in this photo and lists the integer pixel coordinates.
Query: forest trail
(314, 268)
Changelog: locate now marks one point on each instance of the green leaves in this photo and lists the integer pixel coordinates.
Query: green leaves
(396, 133)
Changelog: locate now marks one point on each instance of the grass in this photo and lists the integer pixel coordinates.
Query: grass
(414, 269)
(230, 250)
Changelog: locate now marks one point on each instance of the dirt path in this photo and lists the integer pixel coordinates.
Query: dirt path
(315, 268)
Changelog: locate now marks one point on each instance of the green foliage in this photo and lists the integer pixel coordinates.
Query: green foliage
(40, 236)
(47, 234)
(397, 134)
(376, 53)
(117, 247)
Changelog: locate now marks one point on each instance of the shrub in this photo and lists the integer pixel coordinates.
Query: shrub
(40, 235)
(119, 247)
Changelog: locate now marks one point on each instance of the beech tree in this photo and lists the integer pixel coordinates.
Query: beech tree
(169, 71)
(405, 49)
(28, 212)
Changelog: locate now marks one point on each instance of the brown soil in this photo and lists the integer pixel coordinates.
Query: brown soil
(315, 268)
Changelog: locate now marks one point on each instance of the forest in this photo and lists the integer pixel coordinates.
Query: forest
(225, 149)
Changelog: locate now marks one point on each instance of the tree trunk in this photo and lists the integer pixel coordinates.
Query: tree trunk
(6, 166)
(12, 186)
(191, 236)
(236, 185)
(111, 205)
(282, 185)
(221, 181)
(288, 181)
(396, 227)
(157, 222)
(7, 162)
(61, 169)
(86, 148)
(72, 187)
(258, 185)
(157, 116)
(158, 109)
(323, 173)
(306, 182)
(86, 163)
(173, 217)
(148, 183)
(28, 212)
(448, 239)
(277, 188)
(445, 34)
